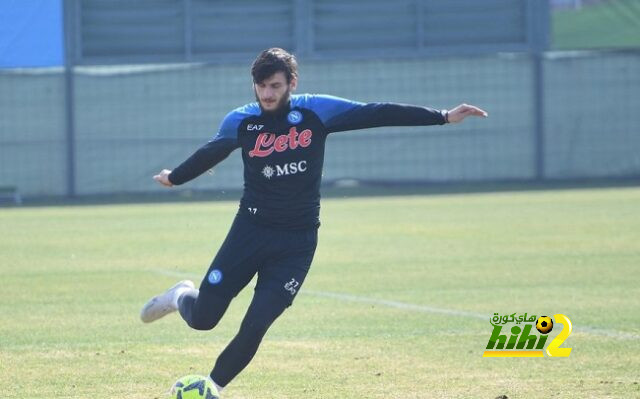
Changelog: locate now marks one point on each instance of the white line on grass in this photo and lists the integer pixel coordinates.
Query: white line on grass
(415, 307)
(394, 304)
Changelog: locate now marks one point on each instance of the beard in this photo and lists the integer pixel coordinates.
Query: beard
(280, 107)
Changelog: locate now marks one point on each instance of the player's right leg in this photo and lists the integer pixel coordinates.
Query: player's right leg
(232, 269)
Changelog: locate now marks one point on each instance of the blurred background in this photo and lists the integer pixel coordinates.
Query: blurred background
(98, 95)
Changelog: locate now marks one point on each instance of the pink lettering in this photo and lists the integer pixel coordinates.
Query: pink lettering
(263, 140)
(266, 143)
(305, 138)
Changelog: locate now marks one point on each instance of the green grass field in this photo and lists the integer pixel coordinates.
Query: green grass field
(613, 23)
(397, 304)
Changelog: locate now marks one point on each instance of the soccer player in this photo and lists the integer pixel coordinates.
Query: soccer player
(274, 234)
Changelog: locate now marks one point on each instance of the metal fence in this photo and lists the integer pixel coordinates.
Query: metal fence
(563, 115)
(146, 82)
(124, 31)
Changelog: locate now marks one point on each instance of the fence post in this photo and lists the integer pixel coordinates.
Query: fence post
(69, 22)
(538, 105)
(188, 30)
(302, 28)
(538, 31)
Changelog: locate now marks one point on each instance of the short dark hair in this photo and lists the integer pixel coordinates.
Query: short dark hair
(274, 60)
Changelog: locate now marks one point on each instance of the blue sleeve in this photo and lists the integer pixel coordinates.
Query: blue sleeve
(228, 129)
(339, 114)
(328, 107)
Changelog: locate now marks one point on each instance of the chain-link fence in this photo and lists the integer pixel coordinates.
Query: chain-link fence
(129, 122)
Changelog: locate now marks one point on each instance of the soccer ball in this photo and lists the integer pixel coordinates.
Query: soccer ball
(544, 324)
(194, 387)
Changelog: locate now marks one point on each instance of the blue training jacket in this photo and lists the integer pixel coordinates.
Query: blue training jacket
(283, 153)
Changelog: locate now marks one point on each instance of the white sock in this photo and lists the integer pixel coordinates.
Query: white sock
(218, 387)
(178, 293)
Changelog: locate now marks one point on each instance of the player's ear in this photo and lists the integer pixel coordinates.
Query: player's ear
(293, 84)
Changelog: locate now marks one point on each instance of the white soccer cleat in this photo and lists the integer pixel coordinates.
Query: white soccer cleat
(165, 303)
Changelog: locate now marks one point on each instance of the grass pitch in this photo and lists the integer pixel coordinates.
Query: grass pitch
(607, 24)
(397, 303)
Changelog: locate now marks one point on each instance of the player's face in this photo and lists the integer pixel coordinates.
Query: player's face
(273, 93)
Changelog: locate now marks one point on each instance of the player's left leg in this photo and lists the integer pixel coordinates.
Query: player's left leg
(265, 308)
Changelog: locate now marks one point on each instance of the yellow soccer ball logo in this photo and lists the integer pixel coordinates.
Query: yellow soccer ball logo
(194, 387)
(544, 324)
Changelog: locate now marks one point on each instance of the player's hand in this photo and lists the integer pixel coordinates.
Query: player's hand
(163, 178)
(463, 110)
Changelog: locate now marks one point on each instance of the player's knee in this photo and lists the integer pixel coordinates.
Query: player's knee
(204, 313)
(251, 334)
(202, 324)
(256, 328)
(203, 321)
(257, 323)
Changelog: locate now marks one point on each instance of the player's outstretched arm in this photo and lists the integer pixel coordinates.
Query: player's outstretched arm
(205, 158)
(339, 114)
(460, 112)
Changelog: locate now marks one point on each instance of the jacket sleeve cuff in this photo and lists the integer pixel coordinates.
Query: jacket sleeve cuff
(445, 115)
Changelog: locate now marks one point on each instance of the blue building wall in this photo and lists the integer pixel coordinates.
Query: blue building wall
(31, 33)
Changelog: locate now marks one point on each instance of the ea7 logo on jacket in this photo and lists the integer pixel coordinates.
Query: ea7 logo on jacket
(266, 143)
(254, 127)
